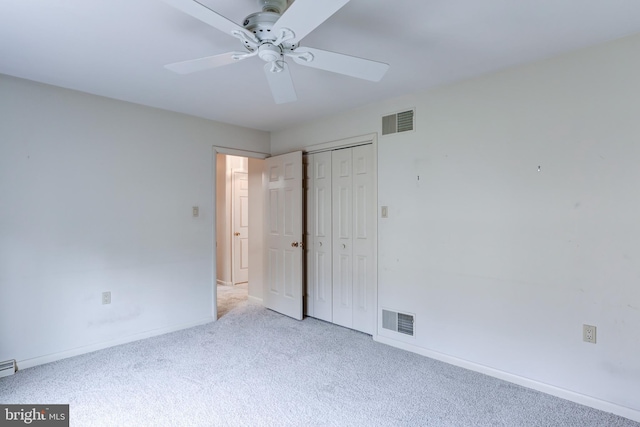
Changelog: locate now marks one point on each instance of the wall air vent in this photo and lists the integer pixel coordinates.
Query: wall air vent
(398, 322)
(398, 122)
(7, 368)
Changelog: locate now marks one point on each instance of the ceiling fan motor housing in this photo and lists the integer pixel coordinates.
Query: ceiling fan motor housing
(261, 25)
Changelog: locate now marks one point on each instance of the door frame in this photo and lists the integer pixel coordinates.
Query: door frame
(370, 138)
(216, 149)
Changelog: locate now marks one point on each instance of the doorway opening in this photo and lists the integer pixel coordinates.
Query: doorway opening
(238, 182)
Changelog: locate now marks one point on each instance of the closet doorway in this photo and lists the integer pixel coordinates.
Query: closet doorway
(341, 233)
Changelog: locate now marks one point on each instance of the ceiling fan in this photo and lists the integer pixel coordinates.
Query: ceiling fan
(273, 34)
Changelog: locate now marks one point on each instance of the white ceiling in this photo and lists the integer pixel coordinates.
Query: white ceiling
(117, 48)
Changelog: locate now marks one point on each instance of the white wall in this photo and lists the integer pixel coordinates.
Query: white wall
(96, 195)
(223, 239)
(500, 263)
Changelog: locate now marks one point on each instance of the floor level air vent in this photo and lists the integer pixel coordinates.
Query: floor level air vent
(397, 322)
(7, 368)
(398, 122)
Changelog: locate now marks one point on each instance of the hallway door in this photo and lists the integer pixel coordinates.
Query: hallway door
(282, 181)
(240, 227)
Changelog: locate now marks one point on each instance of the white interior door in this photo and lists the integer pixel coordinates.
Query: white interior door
(240, 227)
(363, 242)
(320, 253)
(282, 180)
(342, 183)
(353, 229)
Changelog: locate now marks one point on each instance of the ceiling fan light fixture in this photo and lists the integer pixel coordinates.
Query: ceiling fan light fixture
(269, 52)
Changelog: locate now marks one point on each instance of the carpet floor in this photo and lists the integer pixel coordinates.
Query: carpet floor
(231, 296)
(254, 367)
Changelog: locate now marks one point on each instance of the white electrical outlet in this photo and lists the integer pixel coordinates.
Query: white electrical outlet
(106, 297)
(589, 333)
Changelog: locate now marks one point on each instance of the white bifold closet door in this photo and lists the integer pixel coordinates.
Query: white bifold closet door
(319, 279)
(341, 226)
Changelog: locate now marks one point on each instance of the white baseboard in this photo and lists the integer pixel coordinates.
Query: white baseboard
(255, 300)
(29, 363)
(223, 283)
(572, 396)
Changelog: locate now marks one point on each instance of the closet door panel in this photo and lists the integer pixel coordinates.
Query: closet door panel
(342, 186)
(363, 244)
(322, 237)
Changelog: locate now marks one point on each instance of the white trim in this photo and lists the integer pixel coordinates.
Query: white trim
(374, 141)
(369, 138)
(214, 244)
(562, 393)
(223, 283)
(239, 153)
(254, 299)
(29, 363)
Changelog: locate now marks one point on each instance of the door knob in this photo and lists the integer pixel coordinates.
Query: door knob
(297, 245)
(236, 234)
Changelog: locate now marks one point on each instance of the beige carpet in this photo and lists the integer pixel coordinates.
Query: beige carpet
(230, 297)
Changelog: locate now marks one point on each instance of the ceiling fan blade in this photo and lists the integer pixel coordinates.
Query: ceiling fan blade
(303, 16)
(339, 63)
(280, 83)
(200, 64)
(208, 16)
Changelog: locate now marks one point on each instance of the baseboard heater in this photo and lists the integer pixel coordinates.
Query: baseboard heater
(7, 368)
(397, 322)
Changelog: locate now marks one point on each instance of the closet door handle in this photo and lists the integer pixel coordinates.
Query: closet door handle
(236, 234)
(297, 245)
